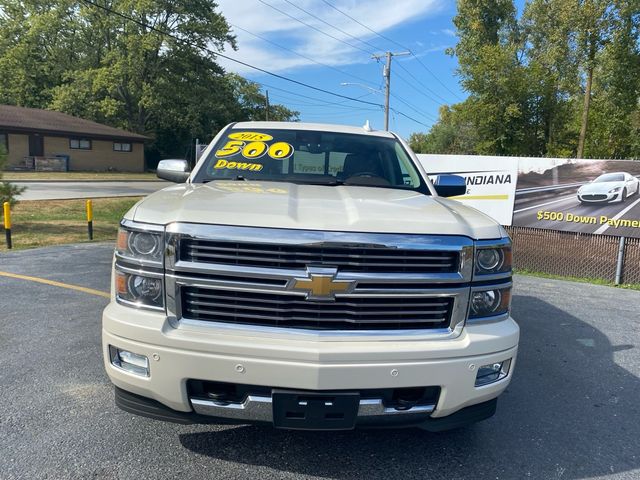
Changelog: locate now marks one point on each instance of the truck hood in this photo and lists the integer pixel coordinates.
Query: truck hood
(313, 207)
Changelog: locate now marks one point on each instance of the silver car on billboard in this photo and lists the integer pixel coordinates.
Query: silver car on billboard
(609, 187)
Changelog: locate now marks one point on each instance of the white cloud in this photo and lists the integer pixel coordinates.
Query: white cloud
(379, 15)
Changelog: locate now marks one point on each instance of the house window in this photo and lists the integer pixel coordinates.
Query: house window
(4, 142)
(121, 147)
(80, 143)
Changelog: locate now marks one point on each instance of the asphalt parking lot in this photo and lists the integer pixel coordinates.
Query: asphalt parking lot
(571, 412)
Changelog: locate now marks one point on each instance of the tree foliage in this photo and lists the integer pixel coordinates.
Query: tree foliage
(563, 79)
(70, 56)
(8, 191)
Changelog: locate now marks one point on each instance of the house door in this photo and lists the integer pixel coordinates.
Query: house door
(36, 146)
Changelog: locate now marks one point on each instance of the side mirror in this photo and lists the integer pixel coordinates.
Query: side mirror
(174, 170)
(450, 185)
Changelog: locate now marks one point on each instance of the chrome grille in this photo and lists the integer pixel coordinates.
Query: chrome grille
(244, 278)
(594, 196)
(345, 313)
(348, 258)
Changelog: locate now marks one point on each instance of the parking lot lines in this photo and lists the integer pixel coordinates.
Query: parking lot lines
(53, 283)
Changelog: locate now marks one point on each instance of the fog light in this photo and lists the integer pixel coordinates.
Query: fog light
(129, 361)
(492, 373)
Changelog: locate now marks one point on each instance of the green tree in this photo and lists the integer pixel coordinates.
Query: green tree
(562, 80)
(453, 133)
(553, 74)
(8, 191)
(489, 53)
(615, 107)
(253, 102)
(70, 56)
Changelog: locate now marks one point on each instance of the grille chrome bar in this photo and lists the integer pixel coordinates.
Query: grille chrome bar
(348, 257)
(259, 408)
(238, 249)
(346, 313)
(407, 294)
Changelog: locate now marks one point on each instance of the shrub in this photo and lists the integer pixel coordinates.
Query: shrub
(8, 192)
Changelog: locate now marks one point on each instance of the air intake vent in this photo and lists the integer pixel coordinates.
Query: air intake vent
(347, 258)
(293, 311)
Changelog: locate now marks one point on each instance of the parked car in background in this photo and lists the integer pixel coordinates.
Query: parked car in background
(609, 187)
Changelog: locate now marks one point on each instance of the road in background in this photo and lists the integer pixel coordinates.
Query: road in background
(571, 411)
(565, 201)
(65, 190)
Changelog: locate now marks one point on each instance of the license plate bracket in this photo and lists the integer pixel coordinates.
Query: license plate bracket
(301, 410)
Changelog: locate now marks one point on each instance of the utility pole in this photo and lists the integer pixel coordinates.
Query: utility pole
(267, 105)
(386, 73)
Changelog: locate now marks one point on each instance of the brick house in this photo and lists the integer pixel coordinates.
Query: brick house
(48, 140)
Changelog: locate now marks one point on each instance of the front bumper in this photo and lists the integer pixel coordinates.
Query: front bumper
(147, 407)
(180, 353)
(600, 197)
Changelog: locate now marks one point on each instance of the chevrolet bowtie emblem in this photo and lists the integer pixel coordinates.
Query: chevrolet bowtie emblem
(321, 284)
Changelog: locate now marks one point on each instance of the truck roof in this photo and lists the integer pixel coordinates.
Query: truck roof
(322, 127)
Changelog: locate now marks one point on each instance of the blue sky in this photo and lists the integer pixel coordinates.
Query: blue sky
(423, 26)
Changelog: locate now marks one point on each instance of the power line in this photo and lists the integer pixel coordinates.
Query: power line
(364, 42)
(331, 25)
(396, 43)
(435, 76)
(240, 62)
(343, 72)
(410, 117)
(297, 102)
(425, 115)
(314, 98)
(363, 25)
(314, 28)
(338, 114)
(387, 77)
(421, 84)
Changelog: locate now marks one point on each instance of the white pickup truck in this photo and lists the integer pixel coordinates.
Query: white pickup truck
(309, 276)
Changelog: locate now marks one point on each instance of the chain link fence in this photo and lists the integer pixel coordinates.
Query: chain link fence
(574, 254)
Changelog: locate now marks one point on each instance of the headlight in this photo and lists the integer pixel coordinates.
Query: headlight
(490, 302)
(139, 290)
(615, 190)
(139, 241)
(493, 259)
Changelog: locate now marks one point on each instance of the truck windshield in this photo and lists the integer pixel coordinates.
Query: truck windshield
(311, 157)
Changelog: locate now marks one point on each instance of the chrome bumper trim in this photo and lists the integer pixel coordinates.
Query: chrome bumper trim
(259, 408)
(255, 408)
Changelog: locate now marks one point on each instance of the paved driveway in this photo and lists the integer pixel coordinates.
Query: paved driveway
(571, 412)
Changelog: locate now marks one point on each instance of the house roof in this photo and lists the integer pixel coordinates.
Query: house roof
(27, 120)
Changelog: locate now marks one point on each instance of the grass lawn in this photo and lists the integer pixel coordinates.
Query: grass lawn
(596, 281)
(54, 222)
(43, 176)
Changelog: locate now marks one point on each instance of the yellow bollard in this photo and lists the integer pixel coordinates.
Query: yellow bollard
(7, 223)
(90, 219)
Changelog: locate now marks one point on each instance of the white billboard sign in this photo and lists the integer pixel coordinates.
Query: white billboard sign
(491, 181)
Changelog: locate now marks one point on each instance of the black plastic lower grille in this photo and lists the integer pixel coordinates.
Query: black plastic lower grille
(293, 311)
